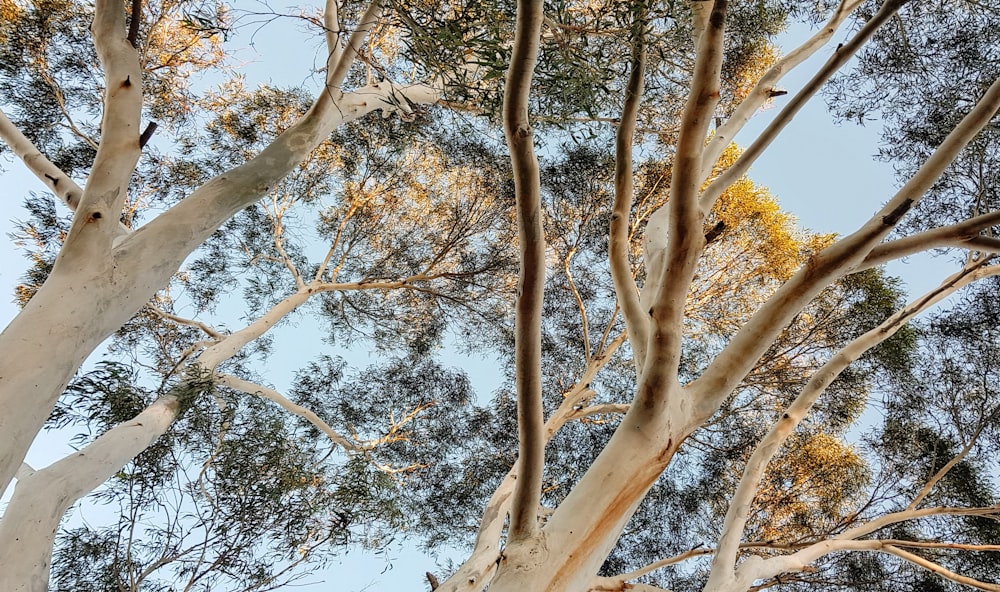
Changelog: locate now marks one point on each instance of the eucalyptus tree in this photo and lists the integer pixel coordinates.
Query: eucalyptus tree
(701, 379)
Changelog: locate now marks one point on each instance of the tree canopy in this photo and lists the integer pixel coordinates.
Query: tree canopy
(695, 392)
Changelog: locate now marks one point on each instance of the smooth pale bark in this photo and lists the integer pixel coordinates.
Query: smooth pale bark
(785, 116)
(100, 282)
(838, 260)
(531, 285)
(619, 239)
(674, 238)
(584, 528)
(48, 173)
(965, 235)
(761, 92)
(724, 574)
(31, 519)
(97, 285)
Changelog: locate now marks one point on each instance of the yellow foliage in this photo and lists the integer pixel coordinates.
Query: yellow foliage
(759, 248)
(171, 52)
(751, 211)
(750, 72)
(10, 10)
(813, 483)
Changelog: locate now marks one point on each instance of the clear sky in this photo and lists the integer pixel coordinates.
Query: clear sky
(796, 169)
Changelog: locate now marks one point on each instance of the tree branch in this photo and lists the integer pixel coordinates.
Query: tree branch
(133, 25)
(674, 234)
(756, 568)
(54, 179)
(840, 259)
(335, 76)
(107, 187)
(636, 321)
(939, 569)
(528, 337)
(948, 466)
(175, 233)
(724, 563)
(965, 234)
(234, 342)
(31, 519)
(761, 92)
(270, 394)
(785, 116)
(332, 30)
(207, 330)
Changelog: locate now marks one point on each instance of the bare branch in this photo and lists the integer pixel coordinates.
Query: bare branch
(636, 321)
(527, 330)
(134, 22)
(211, 332)
(674, 235)
(841, 258)
(605, 409)
(335, 76)
(724, 563)
(584, 322)
(785, 116)
(965, 234)
(758, 568)
(234, 342)
(147, 133)
(939, 569)
(943, 471)
(118, 152)
(761, 92)
(54, 179)
(173, 234)
(251, 388)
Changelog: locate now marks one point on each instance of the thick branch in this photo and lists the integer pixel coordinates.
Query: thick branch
(836, 61)
(335, 76)
(674, 234)
(54, 179)
(761, 92)
(118, 152)
(528, 314)
(31, 519)
(173, 234)
(636, 321)
(964, 234)
(234, 342)
(939, 569)
(757, 569)
(724, 563)
(840, 259)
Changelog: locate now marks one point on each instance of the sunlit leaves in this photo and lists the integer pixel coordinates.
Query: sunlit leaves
(809, 487)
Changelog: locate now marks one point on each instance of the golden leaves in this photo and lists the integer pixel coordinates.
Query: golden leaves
(813, 483)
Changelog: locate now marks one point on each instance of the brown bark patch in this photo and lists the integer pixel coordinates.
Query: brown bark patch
(619, 506)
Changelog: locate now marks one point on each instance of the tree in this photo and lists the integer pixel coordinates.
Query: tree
(719, 386)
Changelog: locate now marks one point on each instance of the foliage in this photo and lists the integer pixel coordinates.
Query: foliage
(396, 235)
